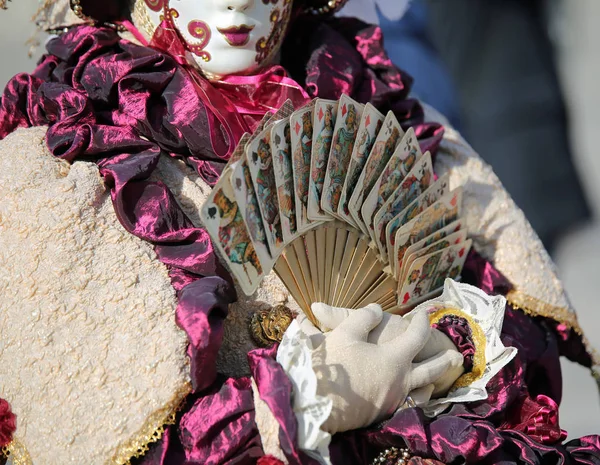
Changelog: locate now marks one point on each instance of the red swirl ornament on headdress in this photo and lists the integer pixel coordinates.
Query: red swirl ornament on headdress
(155, 5)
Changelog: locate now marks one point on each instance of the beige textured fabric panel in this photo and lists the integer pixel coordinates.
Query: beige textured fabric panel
(191, 193)
(90, 356)
(499, 229)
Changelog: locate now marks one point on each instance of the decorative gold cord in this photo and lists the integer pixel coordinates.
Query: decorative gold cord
(17, 453)
(152, 430)
(479, 340)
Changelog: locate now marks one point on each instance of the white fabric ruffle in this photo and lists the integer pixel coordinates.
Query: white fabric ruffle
(488, 313)
(312, 410)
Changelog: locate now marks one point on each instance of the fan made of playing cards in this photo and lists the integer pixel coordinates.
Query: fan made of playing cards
(342, 204)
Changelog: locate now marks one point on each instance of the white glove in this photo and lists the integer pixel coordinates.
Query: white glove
(391, 326)
(368, 382)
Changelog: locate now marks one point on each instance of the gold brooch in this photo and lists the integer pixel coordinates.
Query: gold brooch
(267, 326)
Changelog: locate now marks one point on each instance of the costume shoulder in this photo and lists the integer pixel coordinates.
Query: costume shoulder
(191, 191)
(89, 345)
(502, 234)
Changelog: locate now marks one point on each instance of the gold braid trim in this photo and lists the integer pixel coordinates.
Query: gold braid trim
(535, 307)
(152, 430)
(17, 453)
(479, 340)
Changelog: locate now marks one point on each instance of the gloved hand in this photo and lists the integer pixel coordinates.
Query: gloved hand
(390, 327)
(368, 382)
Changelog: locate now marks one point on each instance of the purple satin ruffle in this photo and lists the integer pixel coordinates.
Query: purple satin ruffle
(228, 435)
(457, 329)
(345, 55)
(275, 389)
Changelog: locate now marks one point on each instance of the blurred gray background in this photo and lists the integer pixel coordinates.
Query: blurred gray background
(577, 253)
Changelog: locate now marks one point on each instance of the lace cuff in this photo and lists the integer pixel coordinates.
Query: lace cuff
(311, 410)
(484, 315)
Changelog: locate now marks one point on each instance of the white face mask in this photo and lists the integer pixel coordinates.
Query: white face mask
(224, 37)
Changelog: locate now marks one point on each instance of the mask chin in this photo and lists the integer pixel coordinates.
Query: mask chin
(225, 62)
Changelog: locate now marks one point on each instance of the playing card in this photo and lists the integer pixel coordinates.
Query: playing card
(435, 192)
(323, 124)
(366, 135)
(301, 141)
(399, 165)
(344, 134)
(223, 220)
(370, 124)
(427, 274)
(440, 214)
(452, 228)
(385, 145)
(410, 256)
(417, 181)
(245, 196)
(282, 166)
(260, 163)
(240, 149)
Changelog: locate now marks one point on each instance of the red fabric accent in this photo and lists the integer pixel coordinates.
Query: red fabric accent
(269, 460)
(8, 423)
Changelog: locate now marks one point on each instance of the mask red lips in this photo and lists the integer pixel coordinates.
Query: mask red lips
(236, 36)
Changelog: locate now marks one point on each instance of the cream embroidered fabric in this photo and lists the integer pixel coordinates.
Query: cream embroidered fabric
(90, 357)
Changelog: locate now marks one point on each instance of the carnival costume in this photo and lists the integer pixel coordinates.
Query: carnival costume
(110, 148)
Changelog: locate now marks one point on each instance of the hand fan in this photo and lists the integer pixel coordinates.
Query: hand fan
(342, 204)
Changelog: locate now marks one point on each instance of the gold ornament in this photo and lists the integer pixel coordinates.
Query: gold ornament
(267, 326)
